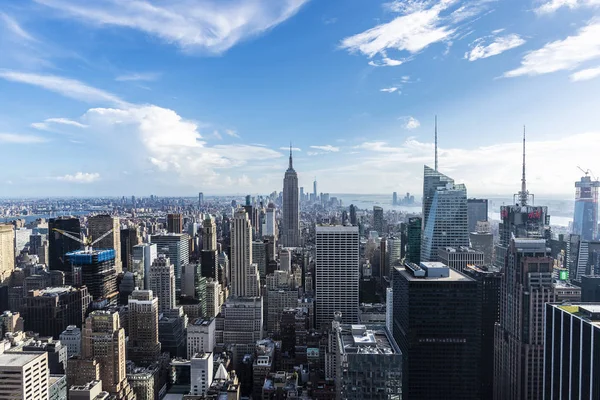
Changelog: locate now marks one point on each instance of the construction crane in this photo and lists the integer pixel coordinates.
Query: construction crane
(587, 172)
(87, 242)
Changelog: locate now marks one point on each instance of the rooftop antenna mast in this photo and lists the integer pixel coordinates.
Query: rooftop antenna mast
(436, 145)
(523, 195)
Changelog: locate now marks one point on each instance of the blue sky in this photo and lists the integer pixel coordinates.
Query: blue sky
(174, 97)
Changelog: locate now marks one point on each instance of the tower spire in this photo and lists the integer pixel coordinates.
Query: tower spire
(523, 194)
(436, 145)
(291, 155)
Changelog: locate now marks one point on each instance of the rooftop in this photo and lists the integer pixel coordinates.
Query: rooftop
(452, 276)
(587, 311)
(367, 339)
(20, 359)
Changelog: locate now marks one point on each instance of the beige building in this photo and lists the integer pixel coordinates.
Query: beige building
(214, 298)
(103, 339)
(143, 346)
(89, 391)
(7, 253)
(162, 282)
(98, 225)
(24, 376)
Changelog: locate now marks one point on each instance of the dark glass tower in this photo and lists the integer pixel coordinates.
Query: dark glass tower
(59, 245)
(585, 218)
(413, 248)
(96, 270)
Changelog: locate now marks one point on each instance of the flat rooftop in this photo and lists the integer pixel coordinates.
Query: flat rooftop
(589, 312)
(367, 339)
(453, 276)
(17, 360)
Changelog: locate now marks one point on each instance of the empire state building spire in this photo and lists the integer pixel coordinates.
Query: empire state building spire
(291, 210)
(291, 166)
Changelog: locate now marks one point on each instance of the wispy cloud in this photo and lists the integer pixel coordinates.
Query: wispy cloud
(80, 177)
(410, 123)
(21, 139)
(585, 74)
(67, 87)
(327, 148)
(232, 133)
(210, 26)
(330, 21)
(46, 125)
(288, 149)
(479, 48)
(138, 76)
(389, 90)
(549, 7)
(15, 28)
(561, 55)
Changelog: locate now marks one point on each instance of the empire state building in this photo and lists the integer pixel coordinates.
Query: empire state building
(291, 232)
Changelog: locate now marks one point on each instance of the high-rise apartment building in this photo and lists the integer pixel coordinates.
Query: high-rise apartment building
(378, 219)
(104, 341)
(201, 336)
(50, 310)
(24, 376)
(290, 236)
(59, 245)
(337, 273)
(519, 337)
(572, 351)
(585, 218)
(176, 247)
(96, 270)
(143, 347)
(245, 280)
(99, 225)
(7, 253)
(436, 323)
(444, 214)
(175, 223)
(477, 210)
(162, 282)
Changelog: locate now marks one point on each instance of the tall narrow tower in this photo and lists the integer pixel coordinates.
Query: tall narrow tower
(101, 224)
(523, 194)
(291, 227)
(585, 218)
(243, 272)
(436, 145)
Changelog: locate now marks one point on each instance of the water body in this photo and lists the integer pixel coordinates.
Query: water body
(33, 217)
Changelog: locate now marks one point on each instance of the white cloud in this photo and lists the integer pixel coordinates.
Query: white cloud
(328, 148)
(585, 74)
(138, 76)
(80, 177)
(21, 139)
(411, 123)
(46, 125)
(497, 46)
(389, 90)
(386, 62)
(561, 55)
(14, 27)
(551, 6)
(288, 149)
(211, 26)
(232, 133)
(67, 87)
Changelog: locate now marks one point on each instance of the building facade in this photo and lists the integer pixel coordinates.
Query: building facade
(162, 282)
(143, 347)
(99, 225)
(7, 253)
(477, 210)
(585, 218)
(290, 235)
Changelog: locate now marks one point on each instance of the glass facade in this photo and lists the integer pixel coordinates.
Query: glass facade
(585, 218)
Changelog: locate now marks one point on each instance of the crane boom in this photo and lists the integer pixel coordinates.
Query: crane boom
(69, 235)
(102, 237)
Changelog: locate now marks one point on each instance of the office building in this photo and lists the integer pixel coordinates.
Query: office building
(214, 297)
(337, 273)
(143, 255)
(585, 218)
(201, 373)
(24, 376)
(413, 235)
(526, 286)
(171, 332)
(270, 226)
(144, 381)
(488, 292)
(571, 352)
(130, 237)
(96, 270)
(162, 282)
(393, 255)
(176, 247)
(49, 310)
(444, 214)
(360, 348)
(100, 225)
(240, 325)
(477, 210)
(104, 341)
(282, 293)
(378, 220)
(88, 391)
(436, 323)
(10, 322)
(200, 199)
(483, 242)
(590, 289)
(59, 245)
(57, 387)
(143, 347)
(7, 253)
(201, 337)
(259, 256)
(459, 258)
(245, 281)
(174, 223)
(290, 235)
(71, 338)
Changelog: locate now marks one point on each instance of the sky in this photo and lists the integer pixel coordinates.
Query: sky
(175, 97)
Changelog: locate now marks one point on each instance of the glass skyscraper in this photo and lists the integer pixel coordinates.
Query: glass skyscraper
(585, 218)
(444, 214)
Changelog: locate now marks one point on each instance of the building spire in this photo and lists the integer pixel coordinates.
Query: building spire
(291, 155)
(436, 145)
(523, 194)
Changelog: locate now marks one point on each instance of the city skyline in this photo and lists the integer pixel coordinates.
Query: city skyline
(142, 107)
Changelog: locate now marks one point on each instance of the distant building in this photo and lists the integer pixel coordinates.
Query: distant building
(100, 225)
(585, 218)
(143, 256)
(175, 223)
(176, 247)
(413, 246)
(245, 280)
(96, 270)
(143, 347)
(7, 253)
(59, 245)
(71, 338)
(290, 235)
(24, 376)
(459, 258)
(477, 210)
(378, 220)
(483, 242)
(162, 282)
(171, 332)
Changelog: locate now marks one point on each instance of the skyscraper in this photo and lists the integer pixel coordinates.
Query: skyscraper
(200, 199)
(7, 253)
(378, 219)
(143, 347)
(103, 340)
(96, 270)
(175, 223)
(98, 226)
(585, 218)
(162, 282)
(59, 245)
(209, 260)
(519, 337)
(291, 212)
(244, 274)
(337, 273)
(477, 210)
(444, 214)
(315, 193)
(436, 323)
(176, 247)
